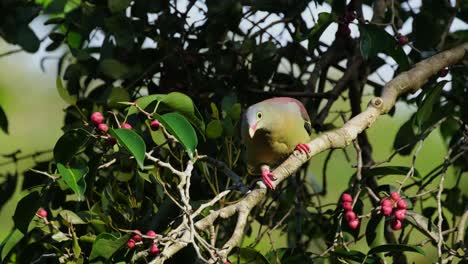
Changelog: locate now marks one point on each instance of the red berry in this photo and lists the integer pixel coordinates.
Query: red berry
(346, 197)
(396, 224)
(400, 214)
(97, 118)
(151, 234)
(112, 141)
(343, 30)
(386, 210)
(155, 125)
(444, 72)
(131, 243)
(353, 224)
(227, 262)
(103, 128)
(154, 250)
(401, 204)
(136, 231)
(350, 16)
(347, 206)
(126, 126)
(386, 203)
(41, 213)
(402, 40)
(350, 216)
(137, 238)
(395, 196)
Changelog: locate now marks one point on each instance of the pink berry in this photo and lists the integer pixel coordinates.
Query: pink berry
(347, 206)
(386, 210)
(136, 231)
(386, 203)
(227, 262)
(353, 224)
(154, 250)
(395, 196)
(137, 238)
(346, 197)
(126, 126)
(396, 224)
(155, 125)
(400, 214)
(41, 213)
(131, 243)
(350, 216)
(444, 72)
(112, 141)
(103, 128)
(402, 39)
(151, 234)
(97, 118)
(401, 204)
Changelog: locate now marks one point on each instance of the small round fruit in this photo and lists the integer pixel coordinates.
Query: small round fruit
(131, 243)
(396, 224)
(386, 210)
(402, 40)
(41, 213)
(347, 206)
(346, 197)
(154, 250)
(350, 216)
(126, 126)
(103, 128)
(97, 118)
(112, 141)
(343, 31)
(395, 196)
(353, 224)
(400, 214)
(155, 125)
(444, 72)
(151, 234)
(401, 204)
(137, 238)
(386, 202)
(227, 262)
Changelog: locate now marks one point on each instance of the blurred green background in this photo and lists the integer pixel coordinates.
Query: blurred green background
(35, 111)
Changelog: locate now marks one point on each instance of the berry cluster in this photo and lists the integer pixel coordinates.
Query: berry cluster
(350, 216)
(396, 206)
(137, 239)
(98, 120)
(343, 25)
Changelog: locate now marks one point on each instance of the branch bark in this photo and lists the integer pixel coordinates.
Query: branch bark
(405, 82)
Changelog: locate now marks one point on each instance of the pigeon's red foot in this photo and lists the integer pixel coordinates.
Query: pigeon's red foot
(304, 148)
(267, 177)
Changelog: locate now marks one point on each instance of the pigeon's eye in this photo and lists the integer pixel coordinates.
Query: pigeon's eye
(259, 115)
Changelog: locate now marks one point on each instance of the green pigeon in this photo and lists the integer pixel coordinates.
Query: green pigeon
(271, 131)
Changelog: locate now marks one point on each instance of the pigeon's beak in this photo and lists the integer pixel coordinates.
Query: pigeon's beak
(252, 130)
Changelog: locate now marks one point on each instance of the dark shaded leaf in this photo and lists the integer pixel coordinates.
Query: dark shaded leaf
(214, 129)
(247, 255)
(25, 211)
(395, 248)
(132, 142)
(106, 245)
(3, 121)
(114, 69)
(69, 144)
(425, 109)
(118, 5)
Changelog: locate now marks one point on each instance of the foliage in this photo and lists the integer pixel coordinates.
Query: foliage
(193, 65)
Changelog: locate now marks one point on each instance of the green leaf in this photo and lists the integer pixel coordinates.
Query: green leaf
(74, 39)
(422, 223)
(395, 248)
(375, 230)
(289, 256)
(352, 255)
(118, 5)
(3, 121)
(106, 245)
(60, 237)
(25, 211)
(132, 142)
(180, 128)
(324, 20)
(74, 177)
(425, 109)
(390, 170)
(247, 255)
(118, 94)
(69, 144)
(375, 39)
(67, 97)
(114, 69)
(27, 39)
(71, 217)
(214, 129)
(10, 242)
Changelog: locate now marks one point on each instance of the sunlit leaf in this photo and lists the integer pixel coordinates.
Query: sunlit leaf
(62, 91)
(132, 142)
(74, 177)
